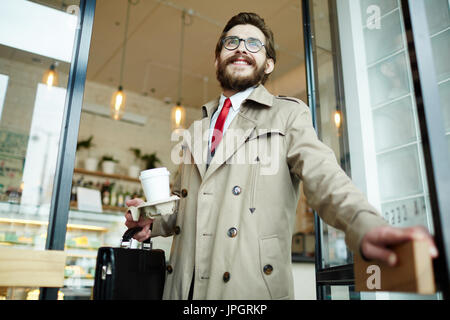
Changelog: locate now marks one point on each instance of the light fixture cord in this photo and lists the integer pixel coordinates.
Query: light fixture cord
(125, 43)
(180, 74)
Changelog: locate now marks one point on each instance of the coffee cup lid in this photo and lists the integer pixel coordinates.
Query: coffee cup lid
(154, 172)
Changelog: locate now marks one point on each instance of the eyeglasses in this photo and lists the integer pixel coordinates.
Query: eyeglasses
(252, 44)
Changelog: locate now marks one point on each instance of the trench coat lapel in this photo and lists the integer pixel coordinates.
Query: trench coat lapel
(239, 130)
(197, 139)
(235, 136)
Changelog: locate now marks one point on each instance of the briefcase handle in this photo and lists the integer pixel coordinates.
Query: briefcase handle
(128, 235)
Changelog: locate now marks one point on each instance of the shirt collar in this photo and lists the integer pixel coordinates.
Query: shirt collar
(259, 95)
(237, 99)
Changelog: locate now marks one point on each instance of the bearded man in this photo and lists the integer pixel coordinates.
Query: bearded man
(232, 230)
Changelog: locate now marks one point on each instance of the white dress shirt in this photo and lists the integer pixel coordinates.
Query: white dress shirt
(236, 101)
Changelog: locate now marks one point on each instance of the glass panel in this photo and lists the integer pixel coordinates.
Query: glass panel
(386, 144)
(389, 80)
(438, 13)
(399, 173)
(35, 59)
(332, 127)
(340, 293)
(394, 125)
(378, 46)
(334, 249)
(384, 6)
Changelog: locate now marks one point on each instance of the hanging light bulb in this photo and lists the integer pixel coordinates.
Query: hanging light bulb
(118, 104)
(118, 99)
(178, 111)
(178, 116)
(51, 77)
(337, 119)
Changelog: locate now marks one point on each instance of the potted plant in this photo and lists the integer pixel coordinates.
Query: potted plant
(108, 164)
(150, 160)
(134, 170)
(90, 163)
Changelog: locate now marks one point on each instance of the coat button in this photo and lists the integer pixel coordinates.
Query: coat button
(169, 268)
(184, 193)
(177, 230)
(226, 277)
(232, 232)
(236, 190)
(268, 269)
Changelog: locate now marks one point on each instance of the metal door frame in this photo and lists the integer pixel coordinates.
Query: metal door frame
(432, 131)
(59, 208)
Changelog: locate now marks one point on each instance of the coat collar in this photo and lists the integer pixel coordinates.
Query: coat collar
(243, 124)
(259, 95)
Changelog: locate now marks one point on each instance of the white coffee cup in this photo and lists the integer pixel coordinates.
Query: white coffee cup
(155, 183)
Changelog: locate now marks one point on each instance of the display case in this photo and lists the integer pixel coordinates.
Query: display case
(23, 226)
(94, 230)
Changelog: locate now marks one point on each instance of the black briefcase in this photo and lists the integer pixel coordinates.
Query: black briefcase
(130, 274)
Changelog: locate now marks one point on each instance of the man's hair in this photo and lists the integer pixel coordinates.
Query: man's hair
(255, 20)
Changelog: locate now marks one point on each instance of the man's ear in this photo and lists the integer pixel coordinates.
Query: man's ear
(270, 65)
(216, 63)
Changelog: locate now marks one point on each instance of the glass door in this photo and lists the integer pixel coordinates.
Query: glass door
(38, 56)
(366, 112)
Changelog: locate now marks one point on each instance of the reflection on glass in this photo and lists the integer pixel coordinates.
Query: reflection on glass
(444, 92)
(438, 13)
(340, 293)
(30, 121)
(389, 80)
(334, 250)
(331, 126)
(3, 87)
(37, 29)
(399, 173)
(440, 43)
(385, 6)
(377, 44)
(394, 125)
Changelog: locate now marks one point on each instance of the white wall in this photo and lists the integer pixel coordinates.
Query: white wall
(117, 137)
(304, 281)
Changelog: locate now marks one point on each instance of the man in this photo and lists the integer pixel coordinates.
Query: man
(233, 226)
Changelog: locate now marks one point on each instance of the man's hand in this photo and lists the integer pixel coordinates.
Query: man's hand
(145, 223)
(377, 242)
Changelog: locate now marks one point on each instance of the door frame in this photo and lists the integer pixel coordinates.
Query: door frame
(432, 131)
(60, 202)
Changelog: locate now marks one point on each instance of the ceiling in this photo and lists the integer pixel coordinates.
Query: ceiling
(152, 61)
(153, 44)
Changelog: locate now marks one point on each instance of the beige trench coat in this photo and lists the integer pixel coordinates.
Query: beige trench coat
(235, 219)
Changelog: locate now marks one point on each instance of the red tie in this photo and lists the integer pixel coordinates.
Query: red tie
(218, 128)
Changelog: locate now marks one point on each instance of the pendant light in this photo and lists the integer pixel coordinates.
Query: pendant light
(337, 119)
(118, 99)
(178, 113)
(51, 76)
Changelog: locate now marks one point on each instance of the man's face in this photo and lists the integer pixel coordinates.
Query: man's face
(240, 69)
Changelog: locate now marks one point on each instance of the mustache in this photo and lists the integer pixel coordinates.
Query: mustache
(239, 56)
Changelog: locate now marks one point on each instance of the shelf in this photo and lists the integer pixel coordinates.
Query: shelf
(71, 282)
(105, 175)
(106, 209)
(44, 223)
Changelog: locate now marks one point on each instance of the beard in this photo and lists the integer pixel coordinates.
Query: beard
(238, 83)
